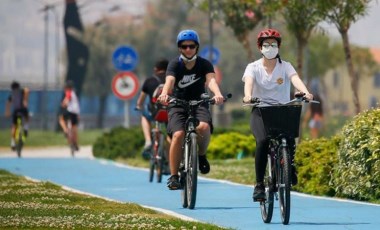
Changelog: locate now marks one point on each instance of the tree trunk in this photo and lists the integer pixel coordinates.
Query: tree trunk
(351, 71)
(244, 40)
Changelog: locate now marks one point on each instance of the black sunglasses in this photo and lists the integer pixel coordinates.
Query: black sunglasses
(184, 47)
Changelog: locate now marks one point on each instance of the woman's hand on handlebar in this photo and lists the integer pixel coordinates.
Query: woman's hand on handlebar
(306, 96)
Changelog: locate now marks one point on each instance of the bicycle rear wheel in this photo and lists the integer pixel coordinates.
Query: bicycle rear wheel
(192, 172)
(266, 205)
(182, 179)
(284, 177)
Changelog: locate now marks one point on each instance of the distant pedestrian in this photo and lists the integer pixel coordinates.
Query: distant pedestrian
(314, 115)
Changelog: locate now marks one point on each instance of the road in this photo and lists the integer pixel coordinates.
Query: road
(218, 202)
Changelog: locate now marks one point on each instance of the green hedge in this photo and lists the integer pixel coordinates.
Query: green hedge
(358, 172)
(119, 142)
(230, 145)
(315, 161)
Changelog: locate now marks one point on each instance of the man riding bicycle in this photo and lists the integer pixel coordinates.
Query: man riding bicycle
(188, 76)
(149, 87)
(269, 78)
(18, 100)
(70, 110)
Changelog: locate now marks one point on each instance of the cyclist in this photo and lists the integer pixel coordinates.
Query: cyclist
(148, 88)
(269, 78)
(188, 76)
(70, 109)
(18, 100)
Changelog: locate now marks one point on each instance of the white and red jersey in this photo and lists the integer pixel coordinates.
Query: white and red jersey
(72, 101)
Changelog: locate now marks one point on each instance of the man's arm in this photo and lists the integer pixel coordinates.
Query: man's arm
(168, 86)
(213, 86)
(140, 100)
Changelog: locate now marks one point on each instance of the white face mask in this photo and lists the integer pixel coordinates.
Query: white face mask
(185, 59)
(269, 52)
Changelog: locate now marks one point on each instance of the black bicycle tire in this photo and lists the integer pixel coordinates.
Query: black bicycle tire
(192, 174)
(151, 168)
(285, 179)
(19, 141)
(182, 176)
(161, 157)
(266, 206)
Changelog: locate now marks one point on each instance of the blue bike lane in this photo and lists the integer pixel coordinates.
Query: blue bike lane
(221, 203)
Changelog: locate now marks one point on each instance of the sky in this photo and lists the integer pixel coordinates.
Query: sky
(22, 34)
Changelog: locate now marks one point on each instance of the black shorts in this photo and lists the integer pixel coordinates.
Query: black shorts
(178, 116)
(23, 111)
(69, 116)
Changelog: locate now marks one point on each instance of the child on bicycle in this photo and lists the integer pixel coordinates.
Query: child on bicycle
(70, 110)
(148, 88)
(269, 78)
(188, 75)
(18, 100)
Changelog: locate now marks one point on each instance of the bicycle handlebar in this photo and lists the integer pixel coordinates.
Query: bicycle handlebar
(205, 98)
(299, 97)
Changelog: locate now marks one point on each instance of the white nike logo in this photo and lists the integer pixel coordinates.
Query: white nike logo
(187, 80)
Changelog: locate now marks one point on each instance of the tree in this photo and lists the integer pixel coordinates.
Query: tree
(242, 16)
(301, 22)
(342, 13)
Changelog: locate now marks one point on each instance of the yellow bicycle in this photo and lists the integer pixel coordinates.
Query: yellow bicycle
(20, 136)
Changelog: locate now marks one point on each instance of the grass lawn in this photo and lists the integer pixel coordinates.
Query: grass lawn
(26, 204)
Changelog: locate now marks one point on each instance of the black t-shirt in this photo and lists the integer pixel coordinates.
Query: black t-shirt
(150, 85)
(189, 83)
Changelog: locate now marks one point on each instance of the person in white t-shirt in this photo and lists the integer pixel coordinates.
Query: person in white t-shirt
(70, 110)
(268, 78)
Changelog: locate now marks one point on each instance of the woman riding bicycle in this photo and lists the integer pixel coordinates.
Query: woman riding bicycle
(188, 75)
(269, 78)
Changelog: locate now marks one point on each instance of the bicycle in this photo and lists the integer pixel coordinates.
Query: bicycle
(188, 170)
(20, 136)
(281, 123)
(158, 159)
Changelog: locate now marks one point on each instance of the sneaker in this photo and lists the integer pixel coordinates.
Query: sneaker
(259, 192)
(294, 176)
(173, 182)
(204, 166)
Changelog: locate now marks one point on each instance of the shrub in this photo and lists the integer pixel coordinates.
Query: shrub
(119, 142)
(229, 145)
(315, 160)
(357, 175)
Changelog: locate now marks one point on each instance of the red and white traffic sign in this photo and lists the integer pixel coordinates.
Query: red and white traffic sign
(125, 85)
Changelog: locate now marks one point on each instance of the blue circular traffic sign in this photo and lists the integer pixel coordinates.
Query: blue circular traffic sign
(125, 58)
(206, 52)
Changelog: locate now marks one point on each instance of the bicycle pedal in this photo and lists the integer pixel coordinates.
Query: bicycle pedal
(259, 199)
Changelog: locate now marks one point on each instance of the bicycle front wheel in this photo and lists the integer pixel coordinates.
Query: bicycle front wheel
(266, 205)
(160, 157)
(284, 177)
(19, 141)
(192, 173)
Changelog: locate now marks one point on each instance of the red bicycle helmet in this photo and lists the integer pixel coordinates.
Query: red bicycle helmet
(268, 33)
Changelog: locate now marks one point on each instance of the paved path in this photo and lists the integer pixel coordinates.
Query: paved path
(221, 203)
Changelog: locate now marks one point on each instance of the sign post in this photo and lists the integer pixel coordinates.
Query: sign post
(125, 86)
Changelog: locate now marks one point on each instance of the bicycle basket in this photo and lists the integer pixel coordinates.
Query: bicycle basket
(281, 119)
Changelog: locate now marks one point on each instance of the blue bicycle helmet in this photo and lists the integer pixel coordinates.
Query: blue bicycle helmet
(190, 35)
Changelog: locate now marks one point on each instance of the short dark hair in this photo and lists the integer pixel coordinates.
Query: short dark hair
(162, 64)
(15, 85)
